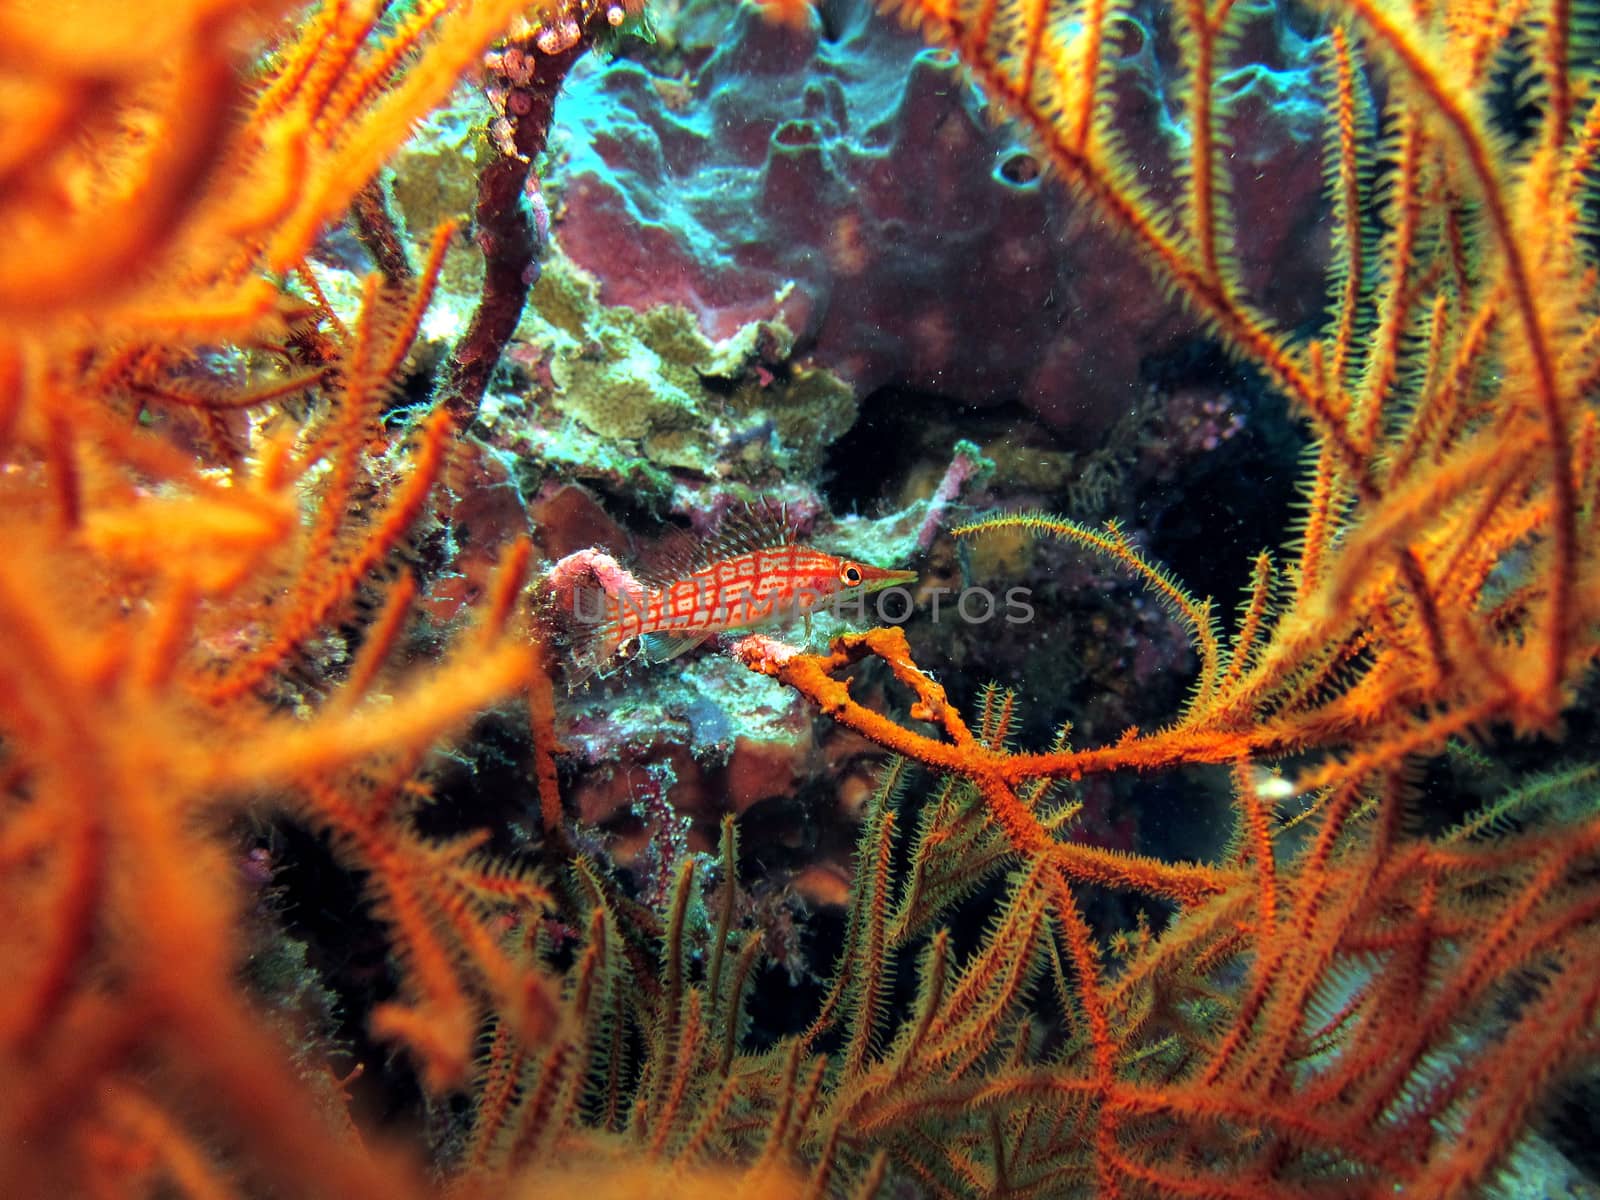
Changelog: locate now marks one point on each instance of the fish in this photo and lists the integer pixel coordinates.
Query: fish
(754, 572)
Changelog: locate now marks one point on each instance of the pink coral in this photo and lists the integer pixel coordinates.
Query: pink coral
(590, 568)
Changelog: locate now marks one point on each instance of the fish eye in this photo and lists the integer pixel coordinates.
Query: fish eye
(850, 573)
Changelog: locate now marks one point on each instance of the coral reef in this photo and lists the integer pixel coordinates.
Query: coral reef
(842, 178)
(319, 883)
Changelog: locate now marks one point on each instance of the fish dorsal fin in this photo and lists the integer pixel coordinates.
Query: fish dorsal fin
(752, 527)
(676, 555)
(746, 528)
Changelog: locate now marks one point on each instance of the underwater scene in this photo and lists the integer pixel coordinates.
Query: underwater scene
(799, 599)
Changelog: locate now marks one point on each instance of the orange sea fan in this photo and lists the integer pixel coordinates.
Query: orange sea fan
(157, 190)
(1337, 1000)
(152, 187)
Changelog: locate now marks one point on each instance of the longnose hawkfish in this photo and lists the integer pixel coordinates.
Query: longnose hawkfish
(753, 572)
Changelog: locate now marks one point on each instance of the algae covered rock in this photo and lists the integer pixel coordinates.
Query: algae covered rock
(651, 385)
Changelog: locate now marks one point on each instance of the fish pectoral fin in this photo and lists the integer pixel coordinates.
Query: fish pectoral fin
(661, 647)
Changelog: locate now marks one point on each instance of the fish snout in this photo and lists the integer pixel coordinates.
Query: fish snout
(875, 579)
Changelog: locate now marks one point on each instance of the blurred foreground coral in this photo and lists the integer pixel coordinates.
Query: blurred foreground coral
(198, 485)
